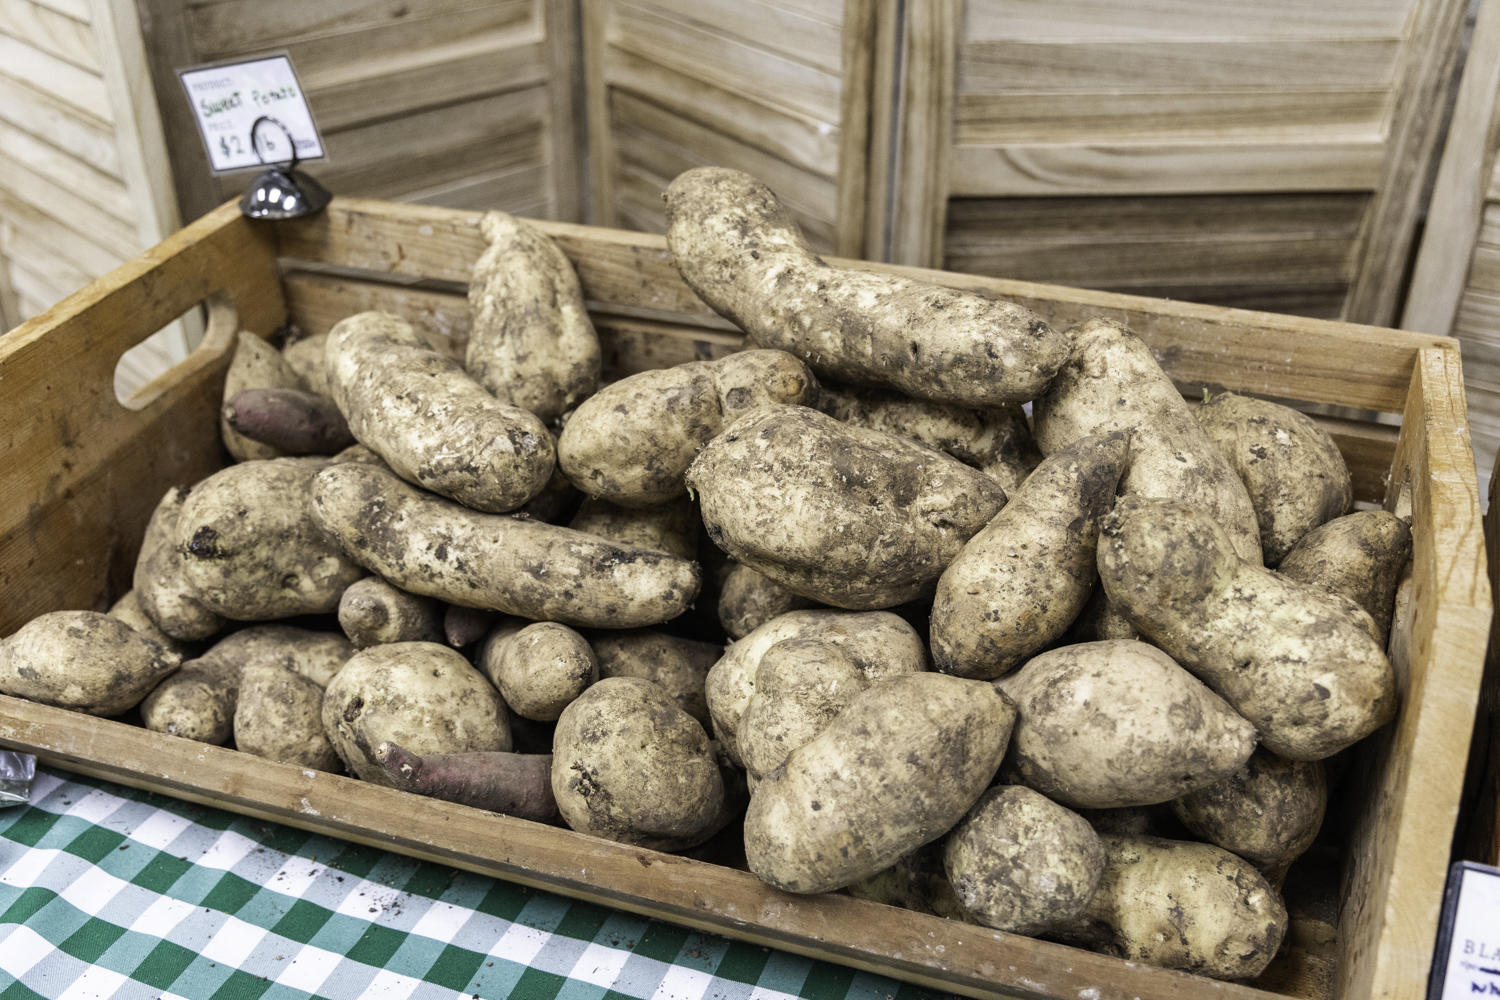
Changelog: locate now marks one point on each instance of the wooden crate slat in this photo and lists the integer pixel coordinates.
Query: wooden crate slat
(1030, 169)
(54, 33)
(79, 476)
(1002, 66)
(1390, 918)
(1122, 117)
(918, 947)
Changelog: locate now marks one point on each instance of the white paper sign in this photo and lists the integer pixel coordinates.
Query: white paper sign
(1473, 962)
(228, 99)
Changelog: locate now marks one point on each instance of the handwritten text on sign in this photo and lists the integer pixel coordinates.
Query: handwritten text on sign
(228, 99)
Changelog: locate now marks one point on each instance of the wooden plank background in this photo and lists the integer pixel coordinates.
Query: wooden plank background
(461, 103)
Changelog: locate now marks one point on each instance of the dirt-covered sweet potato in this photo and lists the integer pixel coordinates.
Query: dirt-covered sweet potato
(1020, 862)
(731, 681)
(894, 770)
(803, 683)
(1359, 556)
(432, 423)
(747, 600)
(256, 365)
(278, 715)
(308, 357)
(628, 765)
(1117, 723)
(1113, 383)
(631, 442)
(198, 702)
(738, 248)
(1291, 468)
(128, 610)
(292, 421)
(996, 441)
(670, 527)
(421, 695)
(1268, 812)
(540, 668)
(1022, 580)
(465, 626)
(161, 586)
(372, 611)
(1193, 907)
(82, 660)
(531, 342)
(845, 516)
(250, 548)
(679, 665)
(917, 881)
(1099, 620)
(427, 545)
(1296, 661)
(512, 783)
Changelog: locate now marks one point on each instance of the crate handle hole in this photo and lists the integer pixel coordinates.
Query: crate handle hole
(178, 349)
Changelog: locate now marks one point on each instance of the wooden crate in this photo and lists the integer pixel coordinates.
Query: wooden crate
(80, 475)
(462, 103)
(1268, 155)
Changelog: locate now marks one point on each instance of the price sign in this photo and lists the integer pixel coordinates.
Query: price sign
(1467, 960)
(229, 98)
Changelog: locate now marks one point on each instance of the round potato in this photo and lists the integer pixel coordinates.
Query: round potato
(628, 765)
(250, 547)
(1192, 907)
(893, 771)
(539, 668)
(1020, 862)
(845, 516)
(279, 715)
(419, 695)
(82, 660)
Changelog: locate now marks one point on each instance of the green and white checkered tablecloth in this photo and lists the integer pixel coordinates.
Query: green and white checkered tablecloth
(106, 891)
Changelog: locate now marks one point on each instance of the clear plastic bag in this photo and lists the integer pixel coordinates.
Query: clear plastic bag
(17, 770)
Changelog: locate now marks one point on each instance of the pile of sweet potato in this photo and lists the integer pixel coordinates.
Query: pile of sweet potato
(1070, 673)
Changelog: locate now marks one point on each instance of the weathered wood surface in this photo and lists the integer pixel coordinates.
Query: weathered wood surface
(81, 478)
(448, 102)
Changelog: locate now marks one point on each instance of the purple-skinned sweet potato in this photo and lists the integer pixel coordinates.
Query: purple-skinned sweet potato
(516, 784)
(296, 422)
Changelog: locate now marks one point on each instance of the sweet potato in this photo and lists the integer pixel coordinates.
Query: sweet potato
(256, 365)
(290, 420)
(372, 611)
(738, 248)
(1359, 556)
(512, 783)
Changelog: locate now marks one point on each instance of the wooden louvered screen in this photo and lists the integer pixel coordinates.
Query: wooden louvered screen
(1267, 155)
(458, 103)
